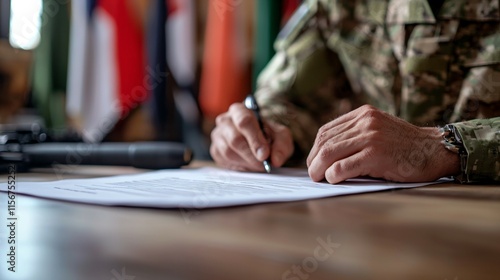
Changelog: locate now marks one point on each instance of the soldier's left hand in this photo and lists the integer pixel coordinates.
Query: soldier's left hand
(370, 142)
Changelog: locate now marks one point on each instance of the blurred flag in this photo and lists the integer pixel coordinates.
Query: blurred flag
(288, 8)
(51, 66)
(107, 66)
(181, 54)
(161, 104)
(225, 76)
(92, 78)
(181, 42)
(129, 49)
(267, 27)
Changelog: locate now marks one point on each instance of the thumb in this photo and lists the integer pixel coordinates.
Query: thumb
(282, 146)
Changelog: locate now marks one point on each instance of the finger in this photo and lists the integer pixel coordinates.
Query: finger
(219, 150)
(236, 141)
(347, 168)
(341, 124)
(332, 152)
(228, 154)
(282, 146)
(349, 116)
(227, 158)
(246, 123)
(337, 133)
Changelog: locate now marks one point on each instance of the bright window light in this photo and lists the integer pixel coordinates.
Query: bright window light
(25, 23)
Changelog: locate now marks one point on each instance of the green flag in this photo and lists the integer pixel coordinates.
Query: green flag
(51, 64)
(267, 26)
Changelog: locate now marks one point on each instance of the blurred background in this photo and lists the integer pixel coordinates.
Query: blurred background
(132, 70)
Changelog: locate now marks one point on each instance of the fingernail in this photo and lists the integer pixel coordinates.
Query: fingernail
(261, 153)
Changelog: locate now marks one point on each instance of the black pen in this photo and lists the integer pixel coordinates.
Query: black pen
(251, 104)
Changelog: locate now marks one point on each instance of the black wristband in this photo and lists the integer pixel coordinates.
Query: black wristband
(453, 142)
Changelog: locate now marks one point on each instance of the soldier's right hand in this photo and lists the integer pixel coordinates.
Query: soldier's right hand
(239, 144)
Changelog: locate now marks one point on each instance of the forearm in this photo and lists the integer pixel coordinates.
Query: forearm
(446, 163)
(304, 85)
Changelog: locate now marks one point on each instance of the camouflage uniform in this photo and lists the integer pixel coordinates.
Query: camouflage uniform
(429, 64)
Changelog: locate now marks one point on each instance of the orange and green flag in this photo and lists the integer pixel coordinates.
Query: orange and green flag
(225, 73)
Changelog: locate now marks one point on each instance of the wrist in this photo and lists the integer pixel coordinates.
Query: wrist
(446, 163)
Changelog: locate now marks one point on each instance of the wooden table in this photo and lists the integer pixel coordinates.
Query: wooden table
(439, 232)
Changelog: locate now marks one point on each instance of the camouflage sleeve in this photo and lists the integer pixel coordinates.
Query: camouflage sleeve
(477, 52)
(481, 139)
(301, 77)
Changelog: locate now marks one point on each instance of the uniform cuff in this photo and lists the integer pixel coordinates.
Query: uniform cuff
(481, 143)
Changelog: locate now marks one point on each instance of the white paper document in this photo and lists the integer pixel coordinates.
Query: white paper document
(199, 188)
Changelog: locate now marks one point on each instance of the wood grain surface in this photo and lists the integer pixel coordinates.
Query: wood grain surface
(440, 232)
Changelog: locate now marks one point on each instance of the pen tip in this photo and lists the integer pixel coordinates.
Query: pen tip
(267, 166)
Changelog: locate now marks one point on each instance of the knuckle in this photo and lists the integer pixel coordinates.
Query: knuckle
(220, 119)
(372, 119)
(367, 107)
(321, 138)
(235, 107)
(223, 119)
(322, 129)
(214, 135)
(337, 168)
(236, 140)
(371, 113)
(325, 153)
(244, 121)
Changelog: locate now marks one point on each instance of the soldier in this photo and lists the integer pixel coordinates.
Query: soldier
(434, 64)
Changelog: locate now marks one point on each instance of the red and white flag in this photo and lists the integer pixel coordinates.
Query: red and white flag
(107, 67)
(181, 54)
